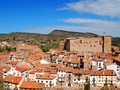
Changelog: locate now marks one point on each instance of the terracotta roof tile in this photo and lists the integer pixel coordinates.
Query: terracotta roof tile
(98, 59)
(81, 55)
(69, 53)
(49, 77)
(17, 79)
(30, 85)
(117, 89)
(66, 59)
(104, 73)
(13, 79)
(69, 69)
(75, 60)
(107, 63)
(81, 71)
(29, 47)
(22, 68)
(3, 56)
(4, 68)
(62, 69)
(53, 71)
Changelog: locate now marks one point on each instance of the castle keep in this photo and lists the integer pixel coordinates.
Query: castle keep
(89, 44)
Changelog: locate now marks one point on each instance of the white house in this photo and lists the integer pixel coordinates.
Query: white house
(12, 82)
(99, 62)
(17, 71)
(114, 67)
(99, 78)
(61, 74)
(47, 80)
(12, 71)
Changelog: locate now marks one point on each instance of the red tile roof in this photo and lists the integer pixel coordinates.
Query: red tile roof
(13, 79)
(62, 69)
(31, 85)
(29, 47)
(98, 59)
(117, 89)
(3, 56)
(75, 60)
(53, 71)
(4, 68)
(1, 76)
(104, 73)
(69, 69)
(81, 71)
(17, 79)
(66, 59)
(81, 55)
(49, 77)
(22, 68)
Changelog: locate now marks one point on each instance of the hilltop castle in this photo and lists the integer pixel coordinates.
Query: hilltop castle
(89, 44)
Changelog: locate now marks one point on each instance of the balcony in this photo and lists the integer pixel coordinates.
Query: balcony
(61, 79)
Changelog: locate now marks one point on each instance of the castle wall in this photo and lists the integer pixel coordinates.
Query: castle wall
(89, 44)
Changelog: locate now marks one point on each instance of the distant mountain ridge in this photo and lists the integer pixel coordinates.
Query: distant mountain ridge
(71, 33)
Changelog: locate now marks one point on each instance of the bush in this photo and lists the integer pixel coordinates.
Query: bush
(45, 48)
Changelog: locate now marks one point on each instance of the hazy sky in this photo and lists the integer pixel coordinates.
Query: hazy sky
(43, 16)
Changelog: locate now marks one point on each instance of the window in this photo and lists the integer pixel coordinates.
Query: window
(46, 85)
(96, 41)
(80, 41)
(99, 64)
(93, 80)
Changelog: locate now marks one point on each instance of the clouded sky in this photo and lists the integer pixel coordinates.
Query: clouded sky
(44, 16)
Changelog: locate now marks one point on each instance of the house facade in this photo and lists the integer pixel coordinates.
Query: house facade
(103, 77)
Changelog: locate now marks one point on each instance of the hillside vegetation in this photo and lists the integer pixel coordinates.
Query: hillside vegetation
(116, 41)
(46, 41)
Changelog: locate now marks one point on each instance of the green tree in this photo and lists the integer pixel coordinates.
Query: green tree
(87, 86)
